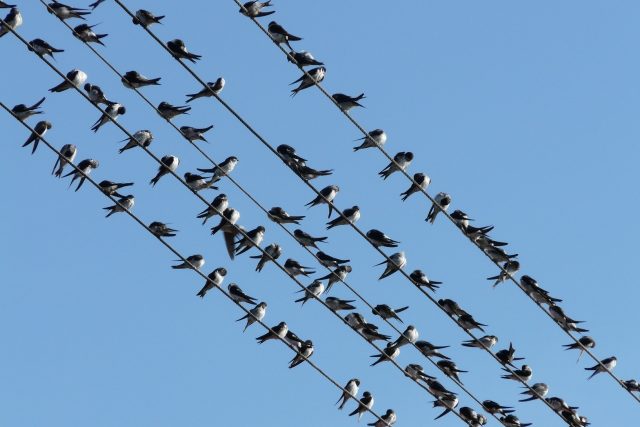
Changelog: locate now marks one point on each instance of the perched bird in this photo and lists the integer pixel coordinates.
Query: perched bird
(277, 332)
(141, 138)
(370, 333)
(271, 252)
(409, 336)
(250, 239)
(498, 255)
(512, 421)
(111, 188)
(305, 239)
(303, 59)
(195, 134)
(193, 262)
(485, 242)
(386, 312)
(365, 404)
(12, 21)
(43, 48)
(314, 290)
(583, 343)
(256, 314)
(507, 356)
(449, 402)
(169, 111)
(169, 164)
(537, 391)
(337, 304)
(212, 88)
(294, 268)
(469, 415)
(227, 224)
(65, 12)
(558, 404)
(308, 173)
(280, 35)
(124, 204)
(421, 183)
(23, 112)
(337, 275)
(83, 168)
(566, 322)
(293, 340)
(135, 80)
(486, 341)
(632, 385)
(346, 102)
(160, 229)
(523, 374)
(437, 389)
(217, 207)
(508, 269)
(401, 162)
(390, 352)
(349, 216)
(253, 9)
(280, 216)
(214, 278)
(327, 195)
(394, 263)
(605, 365)
(39, 130)
(198, 182)
(467, 322)
(111, 113)
(239, 296)
(416, 372)
(450, 369)
(375, 138)
(355, 320)
(539, 295)
(288, 154)
(419, 278)
(430, 350)
(441, 203)
(451, 307)
(75, 78)
(146, 19)
(349, 391)
(96, 95)
(67, 155)
(304, 352)
(222, 169)
(179, 51)
(85, 33)
(310, 78)
(495, 408)
(378, 238)
(329, 261)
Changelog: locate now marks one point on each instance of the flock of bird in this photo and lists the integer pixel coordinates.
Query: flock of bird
(237, 240)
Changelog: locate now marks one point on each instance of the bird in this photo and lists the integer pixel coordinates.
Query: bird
(451, 307)
(23, 112)
(123, 204)
(415, 371)
(469, 415)
(217, 206)
(271, 252)
(632, 385)
(349, 216)
(507, 356)
(337, 304)
(169, 111)
(111, 188)
(195, 134)
(419, 278)
(111, 113)
(304, 352)
(374, 138)
(250, 239)
(294, 268)
(523, 374)
(346, 102)
(512, 421)
(370, 333)
(239, 296)
(486, 341)
(229, 218)
(495, 408)
(421, 182)
(256, 314)
(146, 19)
(327, 195)
(401, 161)
(450, 369)
(365, 404)
(605, 365)
(350, 390)
(585, 342)
(441, 203)
(39, 130)
(12, 21)
(280, 216)
(74, 78)
(449, 402)
(169, 164)
(67, 155)
(160, 229)
(537, 391)
(430, 350)
(276, 332)
(538, 294)
(303, 59)
(355, 320)
(211, 89)
(280, 35)
(179, 51)
(308, 173)
(485, 242)
(96, 95)
(85, 33)
(293, 340)
(193, 262)
(83, 169)
(508, 269)
(305, 239)
(329, 261)
(394, 263)
(437, 389)
(135, 80)
(198, 182)
(65, 12)
(566, 322)
(308, 79)
(288, 154)
(498, 255)
(253, 9)
(378, 238)
(409, 336)
(314, 290)
(43, 48)
(467, 322)
(224, 168)
(388, 419)
(214, 278)
(142, 138)
(386, 312)
(338, 275)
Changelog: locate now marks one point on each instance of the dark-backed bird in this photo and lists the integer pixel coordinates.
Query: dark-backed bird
(349, 391)
(67, 155)
(23, 112)
(303, 59)
(179, 50)
(124, 204)
(441, 203)
(278, 331)
(85, 166)
(85, 33)
(169, 111)
(375, 138)
(310, 78)
(191, 262)
(378, 238)
(327, 195)
(111, 188)
(160, 229)
(346, 102)
(145, 18)
(401, 161)
(280, 35)
(141, 138)
(39, 130)
(271, 252)
(605, 365)
(304, 352)
(349, 216)
(135, 80)
(256, 314)
(395, 262)
(253, 9)
(238, 295)
(212, 88)
(43, 48)
(421, 182)
(64, 11)
(386, 312)
(169, 164)
(305, 239)
(365, 404)
(280, 216)
(75, 78)
(419, 278)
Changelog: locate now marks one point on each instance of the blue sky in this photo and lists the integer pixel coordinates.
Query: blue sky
(524, 113)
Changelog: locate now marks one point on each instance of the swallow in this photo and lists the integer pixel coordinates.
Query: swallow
(449, 368)
(365, 404)
(96, 95)
(169, 164)
(495, 408)
(310, 78)
(271, 252)
(469, 415)
(141, 138)
(441, 203)
(337, 304)
(386, 312)
(605, 365)
(467, 322)
(485, 242)
(280, 35)
(401, 162)
(349, 216)
(378, 238)
(302, 59)
(65, 12)
(123, 204)
(538, 391)
(169, 111)
(43, 48)
(280, 216)
(395, 262)
(4, 5)
(486, 341)
(212, 89)
(288, 154)
(227, 223)
(193, 262)
(195, 134)
(388, 419)
(461, 219)
(23, 112)
(85, 33)
(327, 195)
(111, 188)
(539, 295)
(355, 320)
(160, 229)
(583, 343)
(559, 404)
(67, 155)
(224, 168)
(198, 182)
(337, 275)
(294, 268)
(631, 385)
(419, 278)
(506, 356)
(349, 391)
(508, 269)
(512, 421)
(375, 138)
(250, 239)
(218, 205)
(293, 340)
(304, 352)
(39, 130)
(572, 418)
(329, 261)
(13, 20)
(135, 80)
(308, 173)
(256, 314)
(95, 4)
(523, 374)
(85, 166)
(416, 372)
(146, 19)
(346, 102)
(451, 307)
(75, 78)
(409, 336)
(214, 278)
(314, 290)
(253, 9)
(277, 332)
(449, 402)
(498, 255)
(305, 239)
(431, 350)
(421, 182)
(566, 322)
(111, 113)
(437, 389)
(239, 296)
(179, 51)
(370, 332)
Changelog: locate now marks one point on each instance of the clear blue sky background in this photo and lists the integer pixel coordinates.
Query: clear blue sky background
(525, 113)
